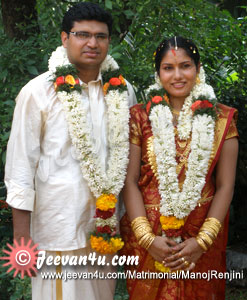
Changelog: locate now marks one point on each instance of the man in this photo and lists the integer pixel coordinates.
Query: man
(44, 179)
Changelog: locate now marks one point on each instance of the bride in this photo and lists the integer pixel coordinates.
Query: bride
(180, 180)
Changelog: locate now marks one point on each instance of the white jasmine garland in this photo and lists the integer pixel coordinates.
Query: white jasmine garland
(173, 201)
(185, 116)
(110, 181)
(109, 64)
(109, 222)
(58, 58)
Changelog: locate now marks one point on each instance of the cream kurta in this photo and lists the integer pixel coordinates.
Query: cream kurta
(42, 172)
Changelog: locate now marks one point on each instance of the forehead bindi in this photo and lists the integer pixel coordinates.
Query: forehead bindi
(91, 26)
(173, 56)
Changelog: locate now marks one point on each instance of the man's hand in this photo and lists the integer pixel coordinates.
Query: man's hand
(21, 224)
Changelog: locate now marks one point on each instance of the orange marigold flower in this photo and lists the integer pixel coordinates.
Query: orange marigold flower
(196, 105)
(157, 99)
(171, 222)
(105, 87)
(106, 247)
(106, 201)
(201, 104)
(115, 81)
(166, 99)
(116, 243)
(122, 79)
(70, 80)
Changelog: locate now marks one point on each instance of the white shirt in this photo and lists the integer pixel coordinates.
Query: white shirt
(42, 173)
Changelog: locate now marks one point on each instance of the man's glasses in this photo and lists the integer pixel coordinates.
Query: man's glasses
(86, 36)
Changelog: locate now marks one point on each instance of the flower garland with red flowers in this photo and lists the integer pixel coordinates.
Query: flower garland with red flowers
(105, 185)
(197, 118)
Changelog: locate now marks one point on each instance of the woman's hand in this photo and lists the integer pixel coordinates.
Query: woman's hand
(161, 248)
(186, 255)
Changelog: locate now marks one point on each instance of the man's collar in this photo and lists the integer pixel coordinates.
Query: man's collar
(99, 78)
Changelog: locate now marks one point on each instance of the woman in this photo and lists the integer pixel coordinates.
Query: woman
(180, 181)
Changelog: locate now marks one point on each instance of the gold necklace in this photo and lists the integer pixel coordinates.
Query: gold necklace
(175, 114)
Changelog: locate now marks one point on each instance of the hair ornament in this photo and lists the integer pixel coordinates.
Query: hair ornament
(175, 41)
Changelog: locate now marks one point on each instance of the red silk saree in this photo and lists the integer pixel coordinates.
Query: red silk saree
(214, 258)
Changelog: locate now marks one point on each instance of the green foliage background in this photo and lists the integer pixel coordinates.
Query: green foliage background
(139, 26)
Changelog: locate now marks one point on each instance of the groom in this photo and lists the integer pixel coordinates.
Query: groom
(46, 188)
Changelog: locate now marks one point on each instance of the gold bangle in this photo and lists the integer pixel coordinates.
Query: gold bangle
(206, 238)
(212, 224)
(208, 233)
(210, 227)
(150, 241)
(143, 231)
(201, 244)
(146, 240)
(215, 221)
(137, 220)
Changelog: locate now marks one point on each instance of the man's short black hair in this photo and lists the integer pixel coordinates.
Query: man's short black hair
(86, 11)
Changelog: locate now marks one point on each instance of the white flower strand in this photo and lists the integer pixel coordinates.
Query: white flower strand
(185, 117)
(118, 137)
(201, 147)
(106, 222)
(58, 58)
(165, 152)
(174, 202)
(99, 181)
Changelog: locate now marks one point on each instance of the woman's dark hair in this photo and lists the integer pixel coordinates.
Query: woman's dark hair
(86, 11)
(179, 42)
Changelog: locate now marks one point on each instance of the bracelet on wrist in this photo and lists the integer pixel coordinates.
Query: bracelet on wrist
(208, 233)
(143, 231)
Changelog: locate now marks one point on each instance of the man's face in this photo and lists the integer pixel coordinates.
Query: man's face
(88, 49)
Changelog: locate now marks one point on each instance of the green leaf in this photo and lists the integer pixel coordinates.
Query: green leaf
(233, 77)
(32, 70)
(5, 136)
(3, 74)
(116, 55)
(129, 13)
(31, 62)
(108, 4)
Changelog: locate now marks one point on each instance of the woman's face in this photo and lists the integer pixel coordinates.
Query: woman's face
(178, 74)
